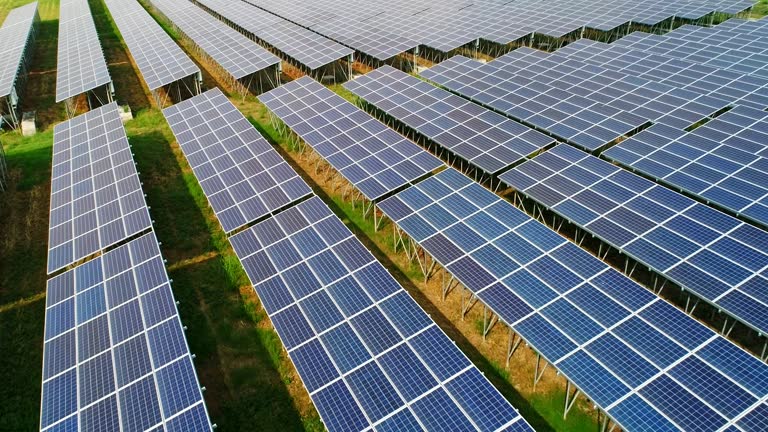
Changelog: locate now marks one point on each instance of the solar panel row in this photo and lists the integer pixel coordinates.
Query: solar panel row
(80, 62)
(96, 196)
(714, 256)
(365, 351)
(483, 138)
(725, 161)
(114, 354)
(727, 85)
(375, 159)
(243, 177)
(235, 53)
(160, 61)
(15, 36)
(304, 46)
(383, 31)
(641, 360)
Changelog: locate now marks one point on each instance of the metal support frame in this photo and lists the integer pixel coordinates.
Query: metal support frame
(570, 399)
(513, 342)
(539, 371)
(488, 321)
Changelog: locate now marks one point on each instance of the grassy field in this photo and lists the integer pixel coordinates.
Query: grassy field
(239, 359)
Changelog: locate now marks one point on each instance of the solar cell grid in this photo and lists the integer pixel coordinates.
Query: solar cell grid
(159, 59)
(484, 138)
(605, 333)
(372, 157)
(96, 196)
(114, 353)
(698, 248)
(723, 161)
(571, 116)
(363, 348)
(243, 177)
(80, 62)
(237, 54)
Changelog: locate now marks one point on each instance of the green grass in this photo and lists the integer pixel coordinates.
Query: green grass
(760, 9)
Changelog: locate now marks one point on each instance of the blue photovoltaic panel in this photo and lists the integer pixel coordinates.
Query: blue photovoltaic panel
(373, 158)
(714, 256)
(603, 331)
(114, 344)
(570, 116)
(243, 177)
(363, 348)
(96, 196)
(16, 34)
(727, 85)
(724, 161)
(656, 102)
(733, 59)
(485, 139)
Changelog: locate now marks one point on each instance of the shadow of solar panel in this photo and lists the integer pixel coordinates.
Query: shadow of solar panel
(243, 177)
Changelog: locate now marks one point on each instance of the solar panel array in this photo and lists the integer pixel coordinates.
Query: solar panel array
(375, 159)
(96, 196)
(757, 28)
(237, 54)
(15, 35)
(485, 139)
(659, 103)
(80, 62)
(302, 45)
(366, 352)
(727, 85)
(725, 161)
(714, 256)
(644, 362)
(160, 60)
(243, 177)
(736, 60)
(115, 355)
(571, 116)
(382, 31)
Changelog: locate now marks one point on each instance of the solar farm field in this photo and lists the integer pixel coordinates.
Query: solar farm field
(420, 216)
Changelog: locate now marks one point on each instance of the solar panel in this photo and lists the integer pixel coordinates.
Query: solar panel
(243, 177)
(96, 196)
(724, 161)
(740, 88)
(710, 254)
(115, 355)
(304, 46)
(746, 27)
(652, 101)
(485, 139)
(366, 352)
(638, 358)
(724, 58)
(235, 53)
(373, 158)
(570, 116)
(15, 35)
(160, 60)
(80, 62)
